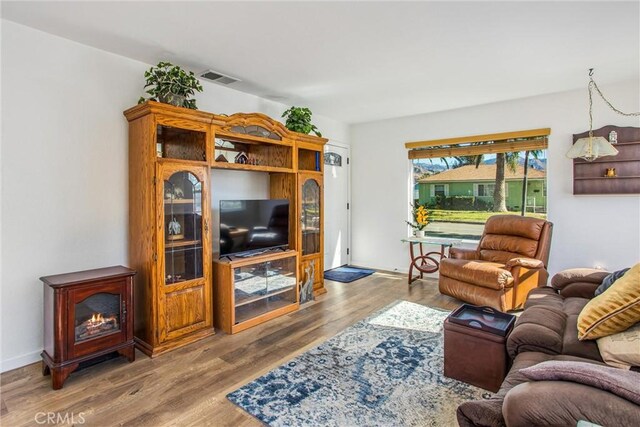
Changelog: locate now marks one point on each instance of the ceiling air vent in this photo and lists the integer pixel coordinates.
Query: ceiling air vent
(217, 77)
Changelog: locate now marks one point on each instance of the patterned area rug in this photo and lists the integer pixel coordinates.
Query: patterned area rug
(385, 370)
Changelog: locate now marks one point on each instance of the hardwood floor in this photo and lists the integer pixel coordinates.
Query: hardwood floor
(187, 387)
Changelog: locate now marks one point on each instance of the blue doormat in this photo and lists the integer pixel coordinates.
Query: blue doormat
(346, 274)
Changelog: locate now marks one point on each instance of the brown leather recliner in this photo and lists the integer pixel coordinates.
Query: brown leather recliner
(510, 260)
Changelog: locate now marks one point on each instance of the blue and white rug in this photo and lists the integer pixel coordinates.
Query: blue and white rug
(385, 370)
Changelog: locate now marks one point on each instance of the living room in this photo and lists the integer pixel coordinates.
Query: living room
(377, 76)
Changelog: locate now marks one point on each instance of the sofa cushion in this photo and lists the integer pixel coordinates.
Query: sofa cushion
(511, 225)
(514, 244)
(575, 347)
(538, 329)
(486, 274)
(489, 412)
(508, 236)
(548, 325)
(614, 310)
(572, 275)
(621, 350)
(564, 403)
(545, 296)
(625, 384)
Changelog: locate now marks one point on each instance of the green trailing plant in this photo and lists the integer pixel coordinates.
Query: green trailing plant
(171, 84)
(298, 119)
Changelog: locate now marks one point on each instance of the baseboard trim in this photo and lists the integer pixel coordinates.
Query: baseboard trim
(386, 269)
(20, 361)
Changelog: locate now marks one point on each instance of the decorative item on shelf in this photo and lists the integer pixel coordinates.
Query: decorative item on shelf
(306, 287)
(242, 158)
(613, 137)
(171, 84)
(298, 119)
(222, 159)
(174, 230)
(590, 148)
(173, 279)
(174, 193)
(611, 173)
(420, 219)
(177, 192)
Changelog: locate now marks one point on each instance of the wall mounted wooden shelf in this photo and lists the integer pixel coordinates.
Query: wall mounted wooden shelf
(589, 177)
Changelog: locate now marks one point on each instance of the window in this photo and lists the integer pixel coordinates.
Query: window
(439, 190)
(458, 177)
(487, 190)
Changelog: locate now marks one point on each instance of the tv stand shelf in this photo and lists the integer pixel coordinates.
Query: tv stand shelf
(249, 291)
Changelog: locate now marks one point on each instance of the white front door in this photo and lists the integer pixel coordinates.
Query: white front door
(336, 213)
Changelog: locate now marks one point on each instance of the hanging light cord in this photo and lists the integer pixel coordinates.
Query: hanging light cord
(592, 84)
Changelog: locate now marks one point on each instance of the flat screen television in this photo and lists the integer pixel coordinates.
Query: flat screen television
(250, 226)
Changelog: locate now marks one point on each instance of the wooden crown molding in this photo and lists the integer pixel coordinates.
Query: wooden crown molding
(224, 123)
(496, 137)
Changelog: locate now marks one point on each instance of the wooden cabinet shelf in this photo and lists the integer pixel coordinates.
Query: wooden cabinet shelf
(255, 168)
(240, 303)
(589, 177)
(252, 290)
(607, 177)
(181, 243)
(178, 202)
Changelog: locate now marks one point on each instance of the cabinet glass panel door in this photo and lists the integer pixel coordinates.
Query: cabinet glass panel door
(183, 228)
(310, 217)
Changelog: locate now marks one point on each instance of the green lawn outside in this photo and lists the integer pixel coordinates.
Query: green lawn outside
(478, 217)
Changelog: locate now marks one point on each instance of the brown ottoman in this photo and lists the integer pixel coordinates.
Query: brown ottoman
(474, 346)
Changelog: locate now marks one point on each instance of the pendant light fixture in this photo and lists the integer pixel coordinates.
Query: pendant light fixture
(590, 148)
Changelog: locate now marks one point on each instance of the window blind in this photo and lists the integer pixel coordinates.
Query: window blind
(505, 142)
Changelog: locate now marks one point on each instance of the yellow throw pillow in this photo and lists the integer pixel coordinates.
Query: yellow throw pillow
(614, 310)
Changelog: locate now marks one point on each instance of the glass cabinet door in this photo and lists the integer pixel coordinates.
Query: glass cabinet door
(310, 217)
(264, 287)
(183, 228)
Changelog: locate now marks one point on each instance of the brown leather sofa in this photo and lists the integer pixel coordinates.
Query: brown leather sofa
(510, 260)
(547, 330)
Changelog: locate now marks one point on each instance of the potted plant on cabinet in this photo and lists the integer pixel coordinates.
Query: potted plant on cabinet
(298, 119)
(420, 219)
(171, 84)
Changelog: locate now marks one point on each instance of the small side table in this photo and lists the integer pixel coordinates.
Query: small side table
(475, 346)
(427, 262)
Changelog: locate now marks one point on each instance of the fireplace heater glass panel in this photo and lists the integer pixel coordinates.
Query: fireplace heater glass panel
(97, 315)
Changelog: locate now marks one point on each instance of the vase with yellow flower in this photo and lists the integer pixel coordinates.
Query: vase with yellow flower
(420, 219)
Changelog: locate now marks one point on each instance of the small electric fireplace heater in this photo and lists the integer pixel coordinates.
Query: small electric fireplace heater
(87, 314)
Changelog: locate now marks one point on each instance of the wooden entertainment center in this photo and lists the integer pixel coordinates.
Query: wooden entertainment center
(181, 285)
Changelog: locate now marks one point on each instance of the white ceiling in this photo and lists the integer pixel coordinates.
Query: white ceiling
(362, 61)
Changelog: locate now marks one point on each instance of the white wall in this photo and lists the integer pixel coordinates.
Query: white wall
(64, 168)
(588, 230)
